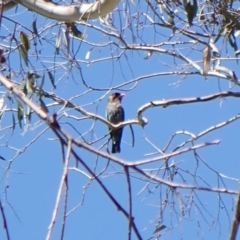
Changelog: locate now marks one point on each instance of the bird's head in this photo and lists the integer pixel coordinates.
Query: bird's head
(116, 96)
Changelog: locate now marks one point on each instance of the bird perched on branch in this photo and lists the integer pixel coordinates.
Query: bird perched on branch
(115, 115)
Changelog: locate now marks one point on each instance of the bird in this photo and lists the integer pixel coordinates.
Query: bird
(115, 115)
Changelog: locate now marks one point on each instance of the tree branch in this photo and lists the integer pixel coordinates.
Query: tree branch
(72, 13)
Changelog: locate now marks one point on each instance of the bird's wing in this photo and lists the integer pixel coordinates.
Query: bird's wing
(123, 114)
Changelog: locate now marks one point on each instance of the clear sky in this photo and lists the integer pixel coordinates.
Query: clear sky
(30, 185)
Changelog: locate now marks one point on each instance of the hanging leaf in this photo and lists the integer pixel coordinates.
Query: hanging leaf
(201, 15)
(76, 33)
(22, 87)
(43, 106)
(170, 19)
(1, 103)
(206, 59)
(237, 53)
(20, 113)
(164, 7)
(51, 78)
(191, 10)
(13, 121)
(66, 38)
(149, 54)
(88, 54)
(2, 107)
(234, 76)
(58, 43)
(41, 86)
(24, 40)
(2, 59)
(34, 27)
(1, 113)
(30, 85)
(133, 137)
(29, 113)
(31, 82)
(233, 42)
(159, 229)
(23, 54)
(236, 34)
(214, 49)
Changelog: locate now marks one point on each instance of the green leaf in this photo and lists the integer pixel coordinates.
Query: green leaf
(41, 86)
(24, 54)
(24, 40)
(20, 113)
(51, 78)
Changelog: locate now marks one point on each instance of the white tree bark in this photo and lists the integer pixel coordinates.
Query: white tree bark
(71, 13)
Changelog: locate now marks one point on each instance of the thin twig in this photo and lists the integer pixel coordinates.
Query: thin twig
(60, 189)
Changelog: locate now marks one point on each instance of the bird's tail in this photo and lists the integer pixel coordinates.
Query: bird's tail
(116, 148)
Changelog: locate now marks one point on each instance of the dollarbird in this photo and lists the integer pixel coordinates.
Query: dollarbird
(115, 115)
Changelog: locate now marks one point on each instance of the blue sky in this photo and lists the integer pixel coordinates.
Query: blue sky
(29, 187)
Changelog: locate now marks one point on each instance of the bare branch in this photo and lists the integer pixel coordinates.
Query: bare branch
(60, 189)
(236, 220)
(71, 13)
